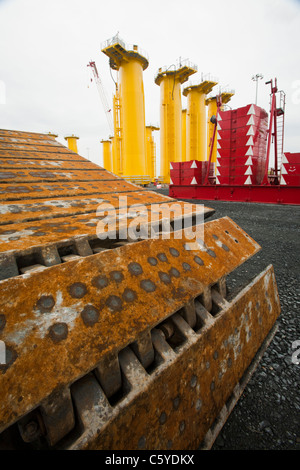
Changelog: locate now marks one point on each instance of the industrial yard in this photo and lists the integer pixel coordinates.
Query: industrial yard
(149, 229)
(267, 415)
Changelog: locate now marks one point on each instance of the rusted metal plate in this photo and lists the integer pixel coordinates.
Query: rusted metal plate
(35, 148)
(22, 236)
(90, 313)
(28, 141)
(8, 176)
(159, 411)
(25, 163)
(11, 192)
(49, 155)
(66, 318)
(19, 211)
(37, 209)
(23, 135)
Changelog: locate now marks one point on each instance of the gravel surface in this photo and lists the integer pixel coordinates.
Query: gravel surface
(267, 416)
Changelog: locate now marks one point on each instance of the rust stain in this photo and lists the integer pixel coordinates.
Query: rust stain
(10, 192)
(21, 236)
(15, 163)
(210, 364)
(25, 175)
(76, 313)
(61, 294)
(51, 154)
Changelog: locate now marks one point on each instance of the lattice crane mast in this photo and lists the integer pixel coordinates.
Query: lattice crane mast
(101, 91)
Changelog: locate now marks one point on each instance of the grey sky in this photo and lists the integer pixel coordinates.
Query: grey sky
(45, 47)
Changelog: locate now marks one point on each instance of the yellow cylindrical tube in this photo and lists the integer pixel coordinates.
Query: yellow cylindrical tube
(113, 156)
(196, 118)
(183, 136)
(107, 154)
(130, 138)
(171, 114)
(72, 142)
(150, 152)
(195, 125)
(132, 118)
(170, 124)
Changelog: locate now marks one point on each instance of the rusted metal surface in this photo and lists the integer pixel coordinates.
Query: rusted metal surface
(12, 192)
(63, 319)
(210, 363)
(37, 209)
(24, 175)
(137, 344)
(50, 155)
(9, 135)
(15, 163)
(41, 232)
(51, 200)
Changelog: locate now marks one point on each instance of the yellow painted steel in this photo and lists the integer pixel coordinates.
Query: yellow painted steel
(226, 97)
(72, 142)
(117, 139)
(171, 115)
(183, 135)
(151, 152)
(113, 156)
(107, 154)
(130, 64)
(53, 134)
(196, 148)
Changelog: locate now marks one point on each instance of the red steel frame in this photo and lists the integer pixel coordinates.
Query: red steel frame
(269, 192)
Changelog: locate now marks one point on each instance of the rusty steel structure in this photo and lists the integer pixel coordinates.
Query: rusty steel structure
(116, 344)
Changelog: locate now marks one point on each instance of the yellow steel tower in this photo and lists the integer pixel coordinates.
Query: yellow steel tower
(107, 154)
(196, 118)
(72, 144)
(151, 151)
(130, 61)
(211, 103)
(183, 135)
(170, 113)
(53, 134)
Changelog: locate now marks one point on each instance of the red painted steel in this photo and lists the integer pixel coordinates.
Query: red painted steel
(249, 120)
(246, 193)
(235, 179)
(291, 158)
(231, 161)
(175, 165)
(248, 110)
(236, 171)
(239, 152)
(243, 152)
(290, 180)
(290, 169)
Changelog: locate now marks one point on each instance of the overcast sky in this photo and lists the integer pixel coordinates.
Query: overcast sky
(45, 47)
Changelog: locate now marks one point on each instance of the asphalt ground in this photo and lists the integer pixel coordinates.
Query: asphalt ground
(267, 416)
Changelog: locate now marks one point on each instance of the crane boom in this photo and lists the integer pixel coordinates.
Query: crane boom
(105, 104)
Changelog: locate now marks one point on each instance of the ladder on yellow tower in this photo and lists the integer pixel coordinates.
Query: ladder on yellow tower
(118, 132)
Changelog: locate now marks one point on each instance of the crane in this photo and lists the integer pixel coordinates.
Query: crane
(100, 87)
